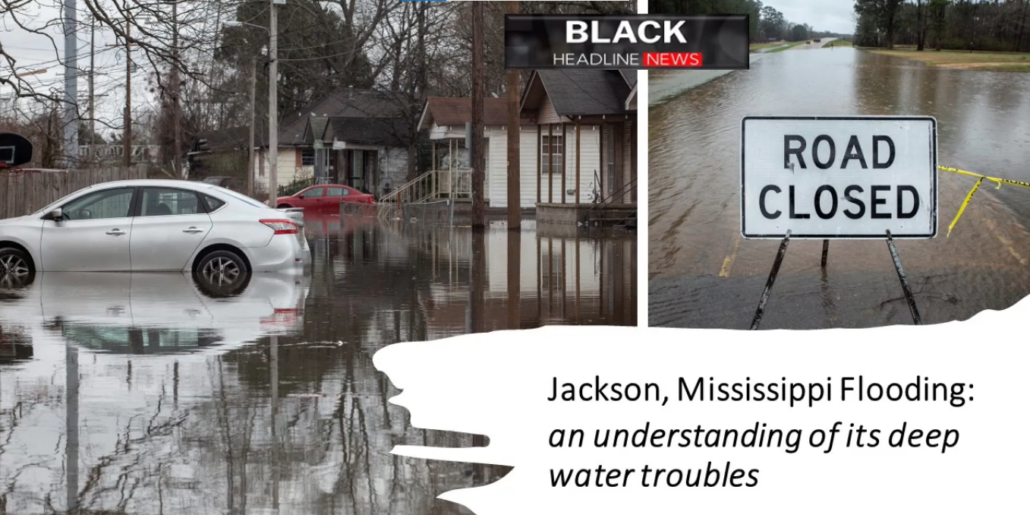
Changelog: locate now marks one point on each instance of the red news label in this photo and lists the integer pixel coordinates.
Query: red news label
(672, 59)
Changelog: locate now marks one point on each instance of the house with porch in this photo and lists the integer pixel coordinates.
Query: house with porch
(369, 154)
(586, 125)
(444, 119)
(296, 154)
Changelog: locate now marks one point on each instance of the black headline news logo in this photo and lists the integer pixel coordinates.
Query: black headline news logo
(639, 41)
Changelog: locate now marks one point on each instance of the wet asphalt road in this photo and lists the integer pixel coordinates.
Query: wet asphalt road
(702, 274)
(813, 45)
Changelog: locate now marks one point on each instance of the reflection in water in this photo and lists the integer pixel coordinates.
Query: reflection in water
(703, 275)
(154, 393)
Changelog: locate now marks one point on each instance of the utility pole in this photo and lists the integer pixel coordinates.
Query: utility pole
(92, 101)
(71, 421)
(71, 88)
(176, 118)
(250, 149)
(478, 156)
(273, 111)
(127, 131)
(514, 141)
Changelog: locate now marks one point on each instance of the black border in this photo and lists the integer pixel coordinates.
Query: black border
(933, 186)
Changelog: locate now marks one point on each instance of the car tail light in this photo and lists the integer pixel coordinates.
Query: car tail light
(282, 316)
(282, 226)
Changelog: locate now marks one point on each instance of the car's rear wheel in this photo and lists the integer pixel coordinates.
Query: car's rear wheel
(222, 271)
(15, 267)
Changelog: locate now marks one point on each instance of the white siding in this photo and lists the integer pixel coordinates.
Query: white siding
(287, 170)
(627, 159)
(497, 166)
(393, 167)
(497, 263)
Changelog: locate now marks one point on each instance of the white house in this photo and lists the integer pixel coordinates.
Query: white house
(445, 119)
(370, 154)
(296, 154)
(562, 100)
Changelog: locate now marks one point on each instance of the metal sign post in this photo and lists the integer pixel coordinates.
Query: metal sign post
(832, 177)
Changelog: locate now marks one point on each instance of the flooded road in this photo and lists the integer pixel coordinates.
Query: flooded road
(702, 274)
(161, 393)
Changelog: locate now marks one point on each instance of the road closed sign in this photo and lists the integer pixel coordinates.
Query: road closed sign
(830, 177)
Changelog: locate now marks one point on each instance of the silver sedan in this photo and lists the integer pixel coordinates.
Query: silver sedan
(154, 226)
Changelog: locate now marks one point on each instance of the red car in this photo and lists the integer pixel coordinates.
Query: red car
(325, 197)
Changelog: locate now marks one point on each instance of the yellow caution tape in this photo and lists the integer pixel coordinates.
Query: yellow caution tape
(976, 186)
(994, 179)
(964, 204)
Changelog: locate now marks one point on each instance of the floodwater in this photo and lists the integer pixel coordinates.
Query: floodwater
(167, 394)
(702, 274)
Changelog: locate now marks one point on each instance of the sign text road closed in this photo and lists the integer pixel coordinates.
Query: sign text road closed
(838, 177)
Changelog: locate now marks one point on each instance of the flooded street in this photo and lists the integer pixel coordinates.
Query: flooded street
(166, 394)
(702, 274)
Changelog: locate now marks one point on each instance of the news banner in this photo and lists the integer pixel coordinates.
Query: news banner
(626, 42)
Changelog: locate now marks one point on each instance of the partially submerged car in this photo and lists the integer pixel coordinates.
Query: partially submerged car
(154, 226)
(325, 197)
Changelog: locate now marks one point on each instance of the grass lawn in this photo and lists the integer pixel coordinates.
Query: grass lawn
(963, 60)
(759, 46)
(787, 47)
(837, 42)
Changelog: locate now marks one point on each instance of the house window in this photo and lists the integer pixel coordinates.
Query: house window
(307, 157)
(552, 145)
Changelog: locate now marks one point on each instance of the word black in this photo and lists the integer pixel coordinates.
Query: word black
(649, 31)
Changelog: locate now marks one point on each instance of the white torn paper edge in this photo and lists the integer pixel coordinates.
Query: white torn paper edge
(496, 384)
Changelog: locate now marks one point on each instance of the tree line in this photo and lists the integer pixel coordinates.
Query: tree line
(198, 61)
(992, 25)
(766, 23)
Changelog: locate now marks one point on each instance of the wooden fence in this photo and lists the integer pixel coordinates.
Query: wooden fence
(25, 191)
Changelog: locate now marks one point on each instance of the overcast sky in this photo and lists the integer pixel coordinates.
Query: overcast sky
(35, 52)
(824, 15)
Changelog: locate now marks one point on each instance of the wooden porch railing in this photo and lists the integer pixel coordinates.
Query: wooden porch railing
(430, 186)
(615, 197)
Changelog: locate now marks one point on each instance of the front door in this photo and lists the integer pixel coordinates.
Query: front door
(92, 236)
(170, 226)
(358, 167)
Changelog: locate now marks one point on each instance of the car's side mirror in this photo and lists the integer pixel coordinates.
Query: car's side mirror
(57, 215)
(300, 196)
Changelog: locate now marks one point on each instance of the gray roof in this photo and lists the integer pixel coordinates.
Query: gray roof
(352, 103)
(387, 132)
(317, 126)
(576, 92)
(630, 76)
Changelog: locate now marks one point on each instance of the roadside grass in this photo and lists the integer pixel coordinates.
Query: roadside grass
(964, 60)
(786, 47)
(1025, 68)
(837, 42)
(759, 46)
